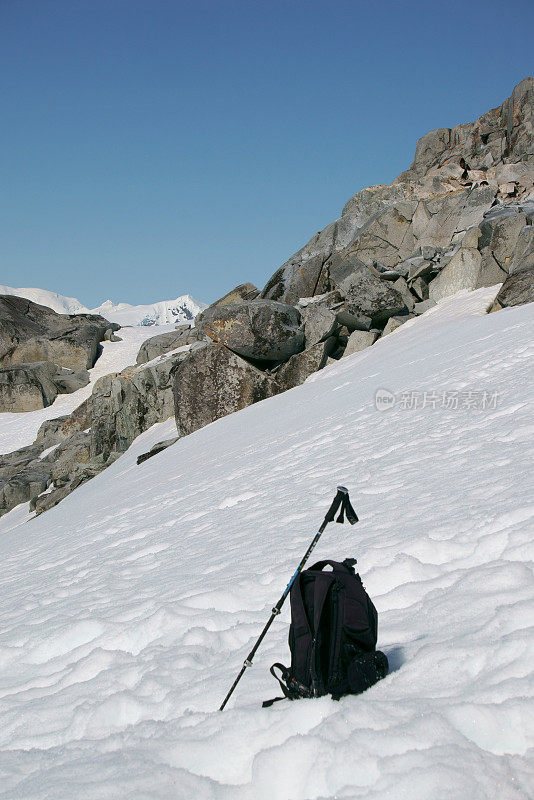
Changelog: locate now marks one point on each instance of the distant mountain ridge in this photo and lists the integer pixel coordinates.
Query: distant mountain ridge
(57, 302)
(181, 310)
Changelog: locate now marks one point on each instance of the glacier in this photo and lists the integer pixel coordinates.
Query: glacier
(127, 610)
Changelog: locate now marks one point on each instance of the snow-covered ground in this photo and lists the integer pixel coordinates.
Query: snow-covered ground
(18, 430)
(127, 610)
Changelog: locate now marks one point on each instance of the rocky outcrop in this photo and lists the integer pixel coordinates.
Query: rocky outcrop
(457, 175)
(30, 333)
(302, 365)
(517, 290)
(242, 293)
(127, 403)
(27, 387)
(261, 330)
(213, 382)
(182, 336)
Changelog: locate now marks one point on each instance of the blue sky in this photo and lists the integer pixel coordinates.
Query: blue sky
(151, 148)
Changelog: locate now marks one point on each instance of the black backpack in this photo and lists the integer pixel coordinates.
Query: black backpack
(332, 636)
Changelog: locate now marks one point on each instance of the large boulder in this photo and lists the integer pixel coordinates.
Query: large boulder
(302, 365)
(262, 329)
(167, 342)
(517, 290)
(319, 323)
(213, 382)
(127, 403)
(25, 485)
(523, 255)
(30, 333)
(243, 292)
(28, 387)
(365, 294)
(360, 340)
(499, 233)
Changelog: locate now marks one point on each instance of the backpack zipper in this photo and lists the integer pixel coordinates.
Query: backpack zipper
(333, 666)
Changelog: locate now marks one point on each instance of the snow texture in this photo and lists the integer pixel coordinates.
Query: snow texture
(127, 610)
(18, 430)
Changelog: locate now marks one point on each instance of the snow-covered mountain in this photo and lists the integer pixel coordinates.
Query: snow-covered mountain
(165, 312)
(181, 310)
(127, 610)
(57, 302)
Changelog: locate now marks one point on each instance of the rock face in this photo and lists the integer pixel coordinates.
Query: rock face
(457, 175)
(261, 330)
(243, 292)
(27, 387)
(213, 382)
(26, 473)
(30, 333)
(127, 403)
(517, 290)
(166, 342)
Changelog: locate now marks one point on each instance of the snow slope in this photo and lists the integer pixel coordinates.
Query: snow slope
(181, 310)
(57, 302)
(127, 610)
(18, 430)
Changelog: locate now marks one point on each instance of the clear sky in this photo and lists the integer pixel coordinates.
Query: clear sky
(151, 148)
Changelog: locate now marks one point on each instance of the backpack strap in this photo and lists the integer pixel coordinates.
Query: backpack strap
(292, 689)
(336, 566)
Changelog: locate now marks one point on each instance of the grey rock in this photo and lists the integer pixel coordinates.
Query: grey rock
(387, 237)
(359, 340)
(155, 449)
(420, 308)
(419, 267)
(517, 290)
(319, 323)
(125, 404)
(23, 486)
(27, 387)
(109, 336)
(353, 322)
(243, 292)
(68, 380)
(67, 455)
(500, 234)
(390, 274)
(54, 431)
(300, 366)
(502, 134)
(462, 272)
(420, 288)
(367, 295)
(523, 254)
(261, 329)
(395, 322)
(401, 287)
(213, 382)
(81, 474)
(166, 342)
(30, 333)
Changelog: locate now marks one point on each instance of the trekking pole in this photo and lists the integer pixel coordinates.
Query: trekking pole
(340, 500)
